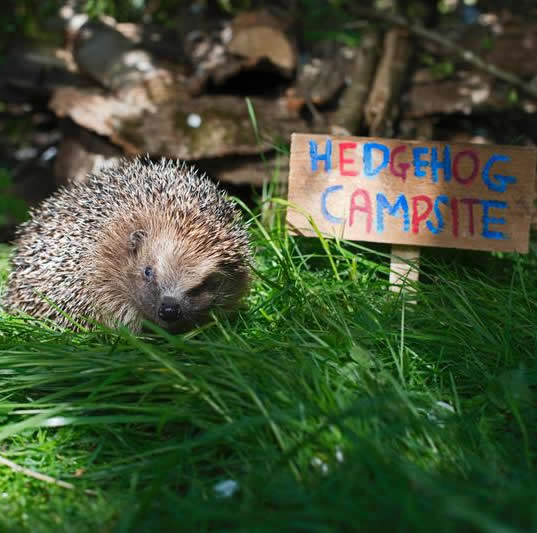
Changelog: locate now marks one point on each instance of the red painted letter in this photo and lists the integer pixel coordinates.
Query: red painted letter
(455, 216)
(365, 208)
(419, 217)
(403, 167)
(343, 161)
(470, 202)
(475, 161)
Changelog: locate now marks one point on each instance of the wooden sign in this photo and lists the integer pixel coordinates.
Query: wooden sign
(412, 192)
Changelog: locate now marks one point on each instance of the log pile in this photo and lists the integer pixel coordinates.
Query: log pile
(225, 92)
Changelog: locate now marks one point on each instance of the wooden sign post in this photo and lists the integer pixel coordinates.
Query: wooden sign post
(412, 194)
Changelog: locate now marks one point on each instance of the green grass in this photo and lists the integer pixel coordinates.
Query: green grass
(333, 404)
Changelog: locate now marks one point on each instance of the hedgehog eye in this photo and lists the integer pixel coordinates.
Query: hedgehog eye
(148, 273)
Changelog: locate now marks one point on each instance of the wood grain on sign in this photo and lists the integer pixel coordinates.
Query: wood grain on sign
(412, 192)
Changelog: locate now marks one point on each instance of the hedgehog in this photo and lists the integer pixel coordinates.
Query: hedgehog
(142, 241)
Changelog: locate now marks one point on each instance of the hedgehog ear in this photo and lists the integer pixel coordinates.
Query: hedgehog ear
(136, 238)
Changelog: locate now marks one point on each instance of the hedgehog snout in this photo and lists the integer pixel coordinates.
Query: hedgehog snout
(169, 310)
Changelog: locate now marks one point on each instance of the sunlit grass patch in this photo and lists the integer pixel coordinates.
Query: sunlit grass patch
(327, 403)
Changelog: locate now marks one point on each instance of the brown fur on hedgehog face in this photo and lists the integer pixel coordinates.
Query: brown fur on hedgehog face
(175, 289)
(168, 278)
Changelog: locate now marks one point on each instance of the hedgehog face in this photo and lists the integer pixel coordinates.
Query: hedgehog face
(176, 288)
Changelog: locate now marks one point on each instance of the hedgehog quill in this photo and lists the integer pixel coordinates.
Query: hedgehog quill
(142, 241)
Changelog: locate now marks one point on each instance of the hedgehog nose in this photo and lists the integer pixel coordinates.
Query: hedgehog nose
(169, 310)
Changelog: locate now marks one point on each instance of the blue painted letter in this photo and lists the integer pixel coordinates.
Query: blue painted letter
(324, 209)
(445, 165)
(500, 181)
(326, 157)
(400, 203)
(417, 162)
(442, 199)
(487, 233)
(369, 171)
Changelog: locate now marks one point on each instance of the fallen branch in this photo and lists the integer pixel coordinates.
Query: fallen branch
(348, 117)
(41, 477)
(381, 106)
(463, 53)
